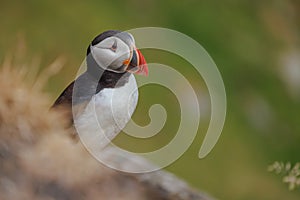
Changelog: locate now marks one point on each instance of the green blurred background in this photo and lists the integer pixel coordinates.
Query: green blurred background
(255, 44)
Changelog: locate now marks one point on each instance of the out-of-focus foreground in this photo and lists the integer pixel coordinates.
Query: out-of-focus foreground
(39, 159)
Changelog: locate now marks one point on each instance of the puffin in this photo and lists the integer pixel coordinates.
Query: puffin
(101, 101)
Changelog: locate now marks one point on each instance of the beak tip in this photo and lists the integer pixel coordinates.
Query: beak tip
(143, 70)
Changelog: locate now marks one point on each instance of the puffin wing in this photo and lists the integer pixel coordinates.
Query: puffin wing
(65, 98)
(76, 96)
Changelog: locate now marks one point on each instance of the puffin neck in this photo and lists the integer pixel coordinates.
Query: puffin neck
(105, 78)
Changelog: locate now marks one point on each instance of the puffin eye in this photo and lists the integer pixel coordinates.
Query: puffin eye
(114, 46)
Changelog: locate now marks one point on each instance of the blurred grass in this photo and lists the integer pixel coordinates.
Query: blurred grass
(246, 39)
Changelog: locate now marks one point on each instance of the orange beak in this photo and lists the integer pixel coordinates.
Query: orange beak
(143, 67)
(137, 63)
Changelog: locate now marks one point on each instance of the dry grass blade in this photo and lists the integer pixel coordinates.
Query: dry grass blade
(49, 71)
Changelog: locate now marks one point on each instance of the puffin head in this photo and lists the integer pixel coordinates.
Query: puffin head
(115, 51)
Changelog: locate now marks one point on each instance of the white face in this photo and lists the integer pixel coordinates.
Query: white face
(111, 53)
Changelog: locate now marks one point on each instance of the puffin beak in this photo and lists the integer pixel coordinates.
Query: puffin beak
(137, 63)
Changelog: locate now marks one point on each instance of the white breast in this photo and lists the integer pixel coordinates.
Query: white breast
(107, 114)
